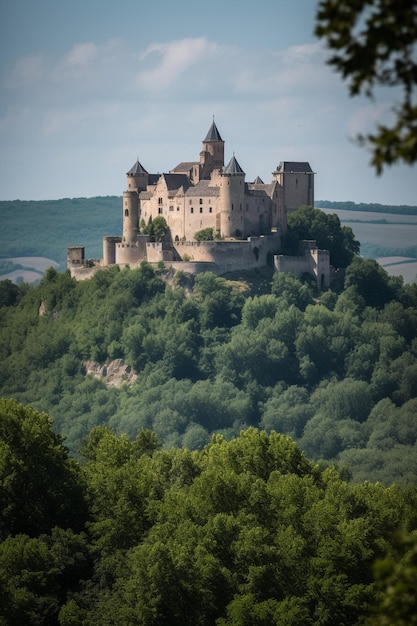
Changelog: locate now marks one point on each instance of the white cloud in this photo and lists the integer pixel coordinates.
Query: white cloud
(171, 60)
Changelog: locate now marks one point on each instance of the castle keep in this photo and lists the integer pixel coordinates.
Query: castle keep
(247, 219)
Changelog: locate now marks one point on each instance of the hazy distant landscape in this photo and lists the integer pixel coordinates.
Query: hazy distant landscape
(390, 238)
(35, 234)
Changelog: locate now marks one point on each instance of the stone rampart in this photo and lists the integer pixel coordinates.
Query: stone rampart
(230, 255)
(313, 261)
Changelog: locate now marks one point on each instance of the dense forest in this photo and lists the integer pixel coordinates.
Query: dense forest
(259, 466)
(243, 532)
(335, 371)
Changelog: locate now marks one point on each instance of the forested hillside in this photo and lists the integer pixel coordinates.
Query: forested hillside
(336, 372)
(244, 532)
(397, 209)
(46, 228)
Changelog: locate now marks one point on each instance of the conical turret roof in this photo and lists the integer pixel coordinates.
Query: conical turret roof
(233, 167)
(213, 133)
(137, 169)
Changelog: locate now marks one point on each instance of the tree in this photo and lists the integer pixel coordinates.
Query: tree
(310, 223)
(206, 234)
(41, 485)
(396, 577)
(373, 43)
(372, 282)
(159, 227)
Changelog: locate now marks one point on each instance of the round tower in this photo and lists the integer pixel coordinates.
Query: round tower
(130, 216)
(137, 178)
(232, 200)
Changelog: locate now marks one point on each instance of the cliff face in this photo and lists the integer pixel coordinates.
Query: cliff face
(113, 374)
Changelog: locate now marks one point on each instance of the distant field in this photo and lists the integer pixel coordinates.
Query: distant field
(389, 238)
(406, 268)
(368, 216)
(31, 268)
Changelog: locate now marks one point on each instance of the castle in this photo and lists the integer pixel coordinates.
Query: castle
(245, 220)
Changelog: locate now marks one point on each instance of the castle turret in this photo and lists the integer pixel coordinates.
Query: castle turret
(137, 178)
(212, 154)
(232, 195)
(130, 216)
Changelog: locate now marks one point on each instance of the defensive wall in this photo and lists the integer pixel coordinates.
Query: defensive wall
(311, 261)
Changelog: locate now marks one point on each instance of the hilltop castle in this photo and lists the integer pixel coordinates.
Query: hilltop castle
(246, 219)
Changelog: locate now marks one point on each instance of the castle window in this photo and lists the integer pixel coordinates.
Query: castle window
(159, 200)
(178, 208)
(210, 210)
(201, 209)
(192, 210)
(126, 212)
(160, 210)
(190, 201)
(201, 200)
(232, 207)
(171, 207)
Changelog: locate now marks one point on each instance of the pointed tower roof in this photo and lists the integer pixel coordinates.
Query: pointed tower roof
(233, 167)
(137, 169)
(258, 181)
(213, 133)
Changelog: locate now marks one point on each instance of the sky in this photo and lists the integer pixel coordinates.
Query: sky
(89, 86)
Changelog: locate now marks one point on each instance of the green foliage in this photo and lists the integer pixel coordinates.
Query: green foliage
(310, 223)
(156, 228)
(244, 531)
(372, 282)
(206, 234)
(210, 358)
(396, 576)
(374, 44)
(41, 486)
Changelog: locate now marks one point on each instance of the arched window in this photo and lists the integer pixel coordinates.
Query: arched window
(126, 212)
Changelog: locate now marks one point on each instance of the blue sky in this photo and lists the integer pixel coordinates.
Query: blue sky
(88, 86)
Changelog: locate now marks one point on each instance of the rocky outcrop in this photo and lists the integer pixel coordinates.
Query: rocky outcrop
(113, 374)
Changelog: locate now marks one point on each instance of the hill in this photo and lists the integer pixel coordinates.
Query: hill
(46, 228)
(336, 372)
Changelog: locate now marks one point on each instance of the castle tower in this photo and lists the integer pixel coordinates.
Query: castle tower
(297, 181)
(137, 178)
(232, 196)
(212, 154)
(130, 216)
